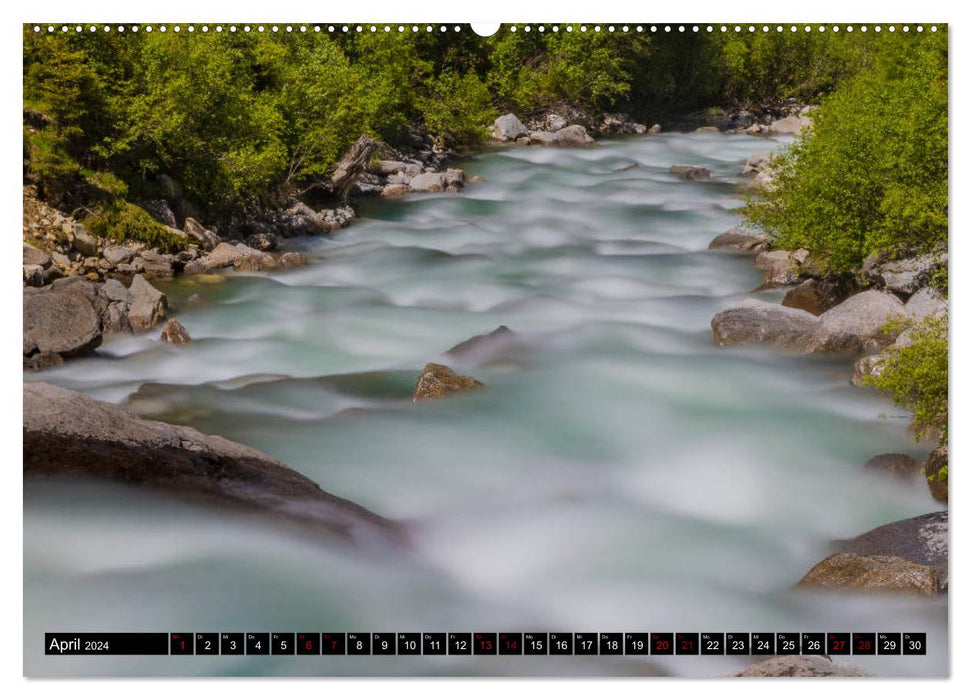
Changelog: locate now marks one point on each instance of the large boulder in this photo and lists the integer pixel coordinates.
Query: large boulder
(935, 469)
(437, 381)
(857, 325)
(873, 572)
(62, 321)
(147, 304)
(802, 667)
(757, 322)
(508, 128)
(690, 172)
(738, 241)
(922, 540)
(573, 136)
(72, 435)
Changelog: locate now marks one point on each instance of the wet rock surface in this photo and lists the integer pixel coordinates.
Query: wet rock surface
(437, 381)
(69, 434)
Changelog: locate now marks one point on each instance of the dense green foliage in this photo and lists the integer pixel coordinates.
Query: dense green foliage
(916, 377)
(872, 177)
(242, 120)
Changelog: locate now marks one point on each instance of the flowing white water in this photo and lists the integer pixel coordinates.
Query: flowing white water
(620, 473)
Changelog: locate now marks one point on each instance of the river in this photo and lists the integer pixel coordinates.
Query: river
(620, 473)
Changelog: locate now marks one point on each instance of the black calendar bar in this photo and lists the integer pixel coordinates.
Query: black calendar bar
(106, 644)
(483, 643)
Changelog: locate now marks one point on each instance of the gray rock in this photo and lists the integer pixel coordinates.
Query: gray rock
(33, 275)
(223, 255)
(654, 130)
(908, 275)
(428, 182)
(118, 254)
(816, 295)
(114, 319)
(762, 323)
(737, 241)
(707, 130)
(779, 267)
(555, 122)
(63, 320)
(573, 136)
(147, 304)
(252, 260)
(36, 256)
(756, 162)
(86, 244)
(896, 464)
(69, 434)
(924, 303)
(394, 167)
(792, 125)
(858, 324)
(542, 138)
(922, 540)
(508, 128)
(60, 258)
(802, 667)
(690, 172)
(206, 239)
(113, 290)
(873, 572)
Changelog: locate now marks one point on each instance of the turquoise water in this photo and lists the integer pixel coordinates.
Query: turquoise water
(620, 473)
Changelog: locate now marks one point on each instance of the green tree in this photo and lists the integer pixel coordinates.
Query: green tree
(872, 175)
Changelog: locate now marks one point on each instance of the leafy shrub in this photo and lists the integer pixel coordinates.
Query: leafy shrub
(122, 221)
(457, 108)
(915, 376)
(872, 175)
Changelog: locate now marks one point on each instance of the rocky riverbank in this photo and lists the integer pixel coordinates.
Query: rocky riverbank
(861, 317)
